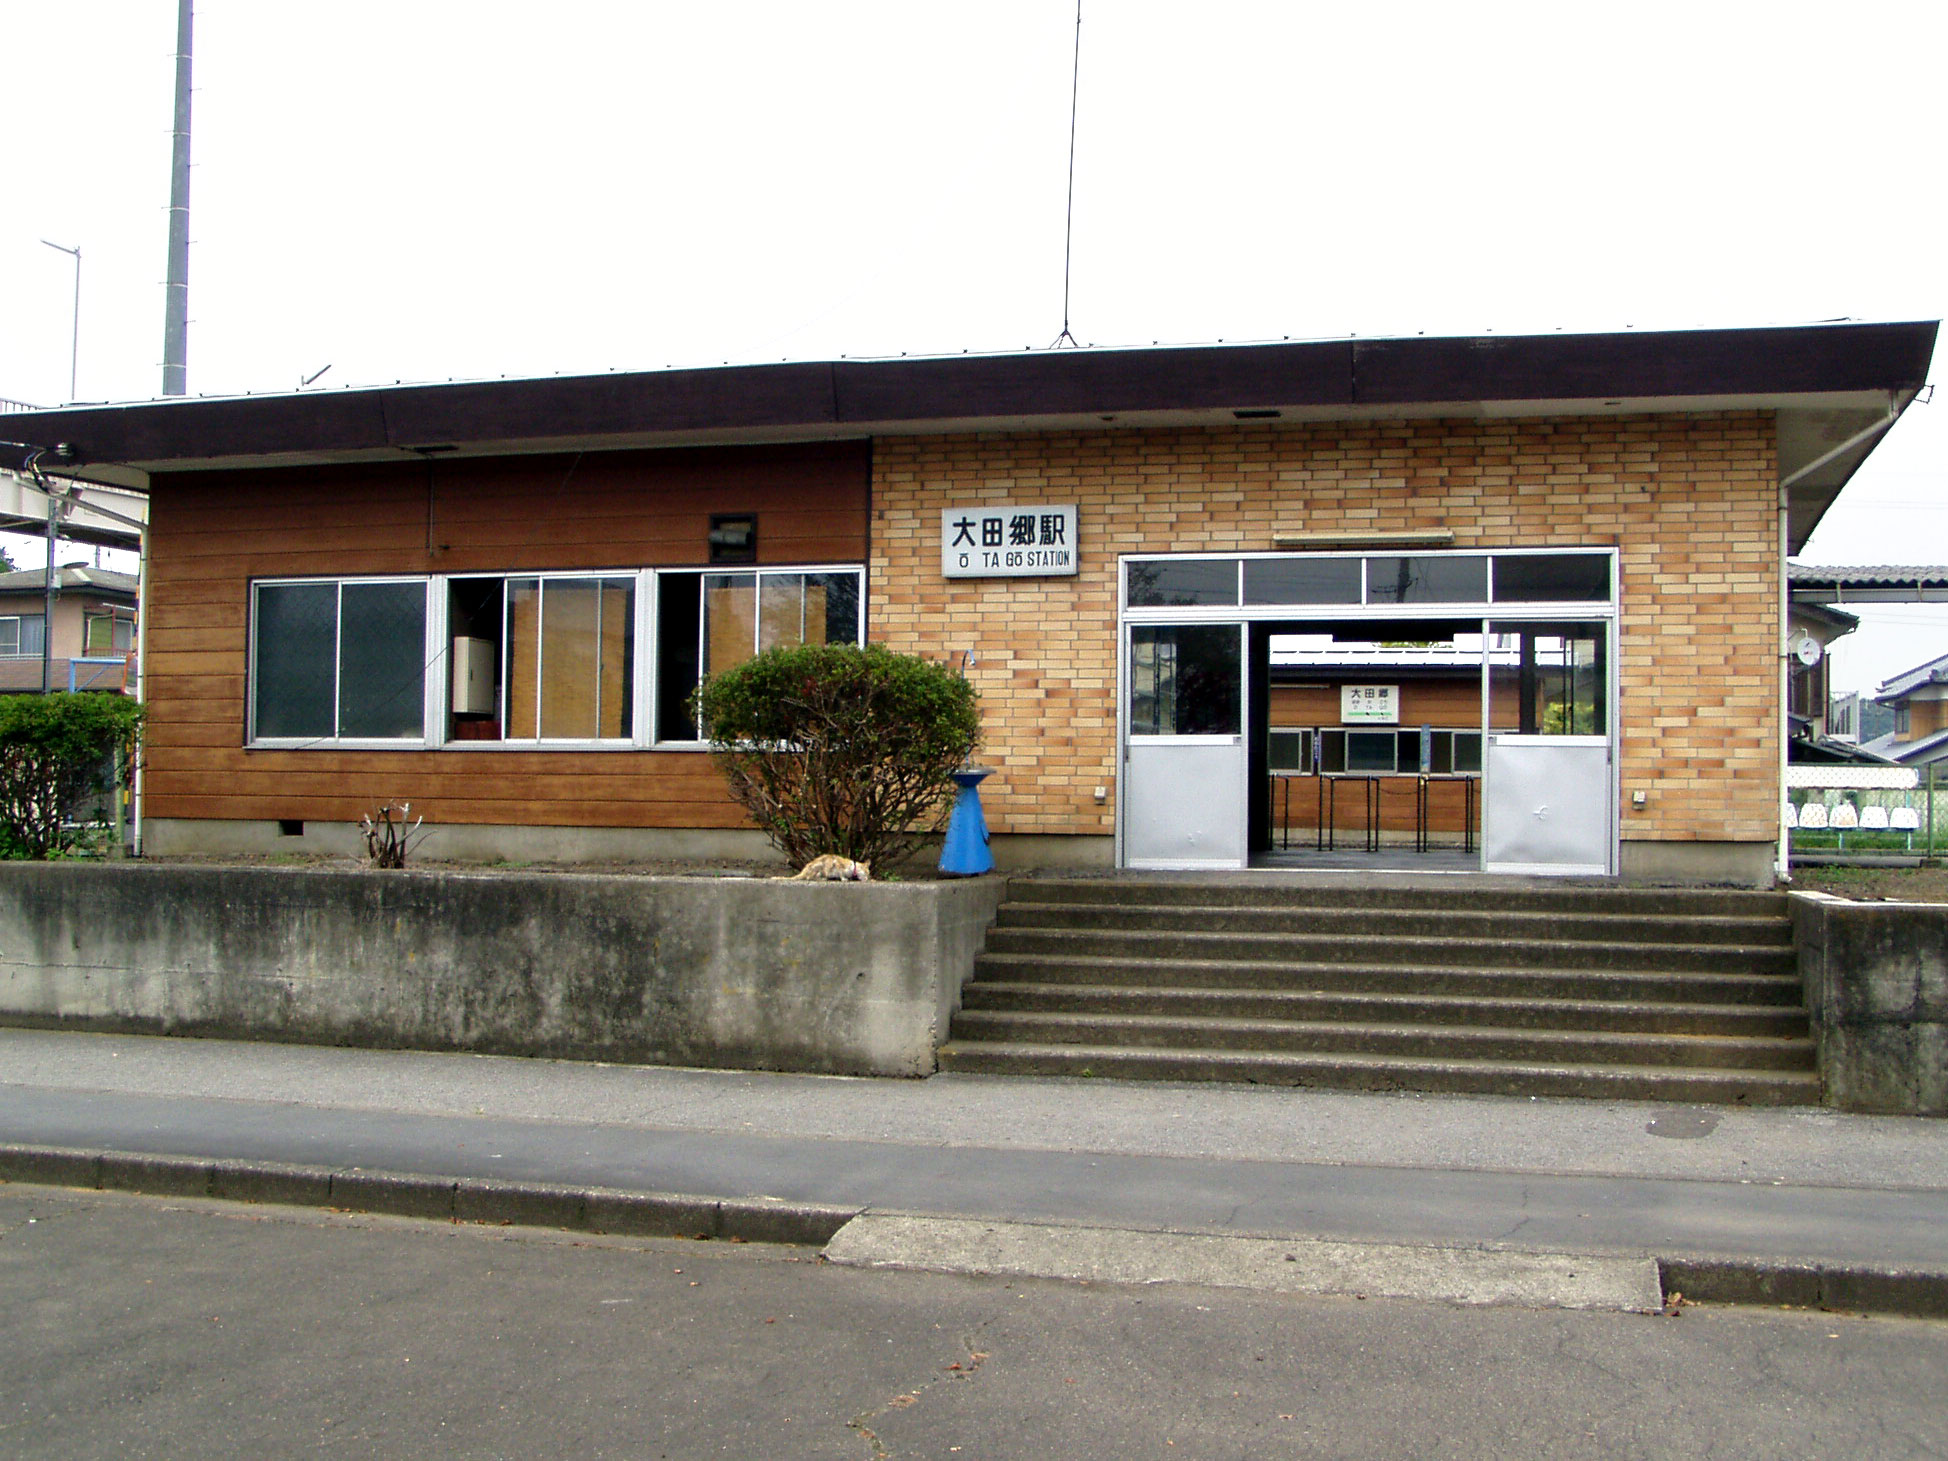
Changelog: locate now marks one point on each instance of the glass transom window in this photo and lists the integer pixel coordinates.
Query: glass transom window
(1362, 580)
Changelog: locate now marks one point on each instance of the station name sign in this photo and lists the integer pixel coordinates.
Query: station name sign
(1369, 705)
(1007, 542)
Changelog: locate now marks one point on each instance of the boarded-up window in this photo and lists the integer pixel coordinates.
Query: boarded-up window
(571, 645)
(712, 622)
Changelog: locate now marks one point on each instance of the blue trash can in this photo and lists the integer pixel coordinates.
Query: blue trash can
(966, 852)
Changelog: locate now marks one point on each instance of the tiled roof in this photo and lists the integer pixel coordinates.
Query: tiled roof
(1935, 671)
(72, 575)
(1869, 575)
(1918, 751)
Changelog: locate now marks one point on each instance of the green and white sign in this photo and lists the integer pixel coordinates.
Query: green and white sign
(1369, 705)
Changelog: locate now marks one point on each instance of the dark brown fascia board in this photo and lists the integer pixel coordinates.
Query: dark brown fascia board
(406, 417)
(738, 403)
(1069, 383)
(730, 399)
(1803, 360)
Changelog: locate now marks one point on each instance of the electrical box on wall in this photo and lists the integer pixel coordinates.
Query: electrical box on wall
(473, 676)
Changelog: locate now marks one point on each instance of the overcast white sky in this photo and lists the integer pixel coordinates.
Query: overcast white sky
(434, 189)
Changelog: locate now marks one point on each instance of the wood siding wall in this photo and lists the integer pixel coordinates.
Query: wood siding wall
(212, 533)
(1445, 704)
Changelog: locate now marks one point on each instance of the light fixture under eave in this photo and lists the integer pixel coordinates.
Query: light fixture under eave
(1426, 538)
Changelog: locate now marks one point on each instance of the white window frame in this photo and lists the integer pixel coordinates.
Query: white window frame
(17, 620)
(1306, 733)
(709, 571)
(437, 650)
(1487, 607)
(428, 649)
(113, 617)
(641, 662)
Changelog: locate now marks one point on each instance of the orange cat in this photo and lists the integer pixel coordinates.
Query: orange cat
(831, 868)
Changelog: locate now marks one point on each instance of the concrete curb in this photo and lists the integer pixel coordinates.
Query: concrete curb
(413, 1194)
(1909, 1293)
(1453, 1274)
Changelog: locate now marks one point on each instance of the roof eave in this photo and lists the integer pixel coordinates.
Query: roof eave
(1840, 373)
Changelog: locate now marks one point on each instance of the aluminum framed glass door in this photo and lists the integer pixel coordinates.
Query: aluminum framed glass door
(1184, 764)
(1549, 796)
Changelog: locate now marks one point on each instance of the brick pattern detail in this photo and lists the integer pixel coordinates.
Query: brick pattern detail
(1690, 500)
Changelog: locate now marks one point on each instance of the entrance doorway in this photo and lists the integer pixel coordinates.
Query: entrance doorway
(1371, 744)
(1446, 712)
(1185, 758)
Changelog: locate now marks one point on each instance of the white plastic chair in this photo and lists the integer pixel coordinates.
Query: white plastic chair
(1873, 819)
(1812, 817)
(1905, 819)
(1844, 818)
(1791, 818)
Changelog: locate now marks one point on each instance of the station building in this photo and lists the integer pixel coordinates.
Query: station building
(1505, 603)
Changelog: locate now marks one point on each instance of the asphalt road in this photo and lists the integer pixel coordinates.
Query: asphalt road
(143, 1327)
(1570, 1176)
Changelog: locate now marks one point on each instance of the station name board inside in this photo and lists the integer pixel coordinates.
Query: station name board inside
(1007, 542)
(1369, 705)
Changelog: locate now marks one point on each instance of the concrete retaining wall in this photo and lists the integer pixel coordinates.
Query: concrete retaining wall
(1877, 986)
(857, 979)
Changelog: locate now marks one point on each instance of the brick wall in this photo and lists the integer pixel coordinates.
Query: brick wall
(1690, 500)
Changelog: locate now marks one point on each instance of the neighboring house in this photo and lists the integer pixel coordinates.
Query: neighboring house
(493, 599)
(1810, 731)
(1873, 720)
(1825, 727)
(94, 620)
(1918, 699)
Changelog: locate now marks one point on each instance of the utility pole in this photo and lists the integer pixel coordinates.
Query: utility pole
(175, 325)
(51, 586)
(74, 347)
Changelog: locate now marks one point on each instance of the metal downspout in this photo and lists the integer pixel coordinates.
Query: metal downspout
(1783, 868)
(141, 684)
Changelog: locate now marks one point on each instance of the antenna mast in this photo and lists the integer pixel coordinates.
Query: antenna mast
(1068, 231)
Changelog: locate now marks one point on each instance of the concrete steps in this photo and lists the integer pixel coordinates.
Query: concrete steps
(1762, 1020)
(1526, 951)
(1442, 923)
(1382, 1073)
(1569, 990)
(1687, 985)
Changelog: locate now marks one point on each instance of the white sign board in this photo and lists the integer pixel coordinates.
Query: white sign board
(1369, 705)
(1007, 542)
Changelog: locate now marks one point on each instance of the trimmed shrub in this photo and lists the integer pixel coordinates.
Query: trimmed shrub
(842, 749)
(54, 751)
